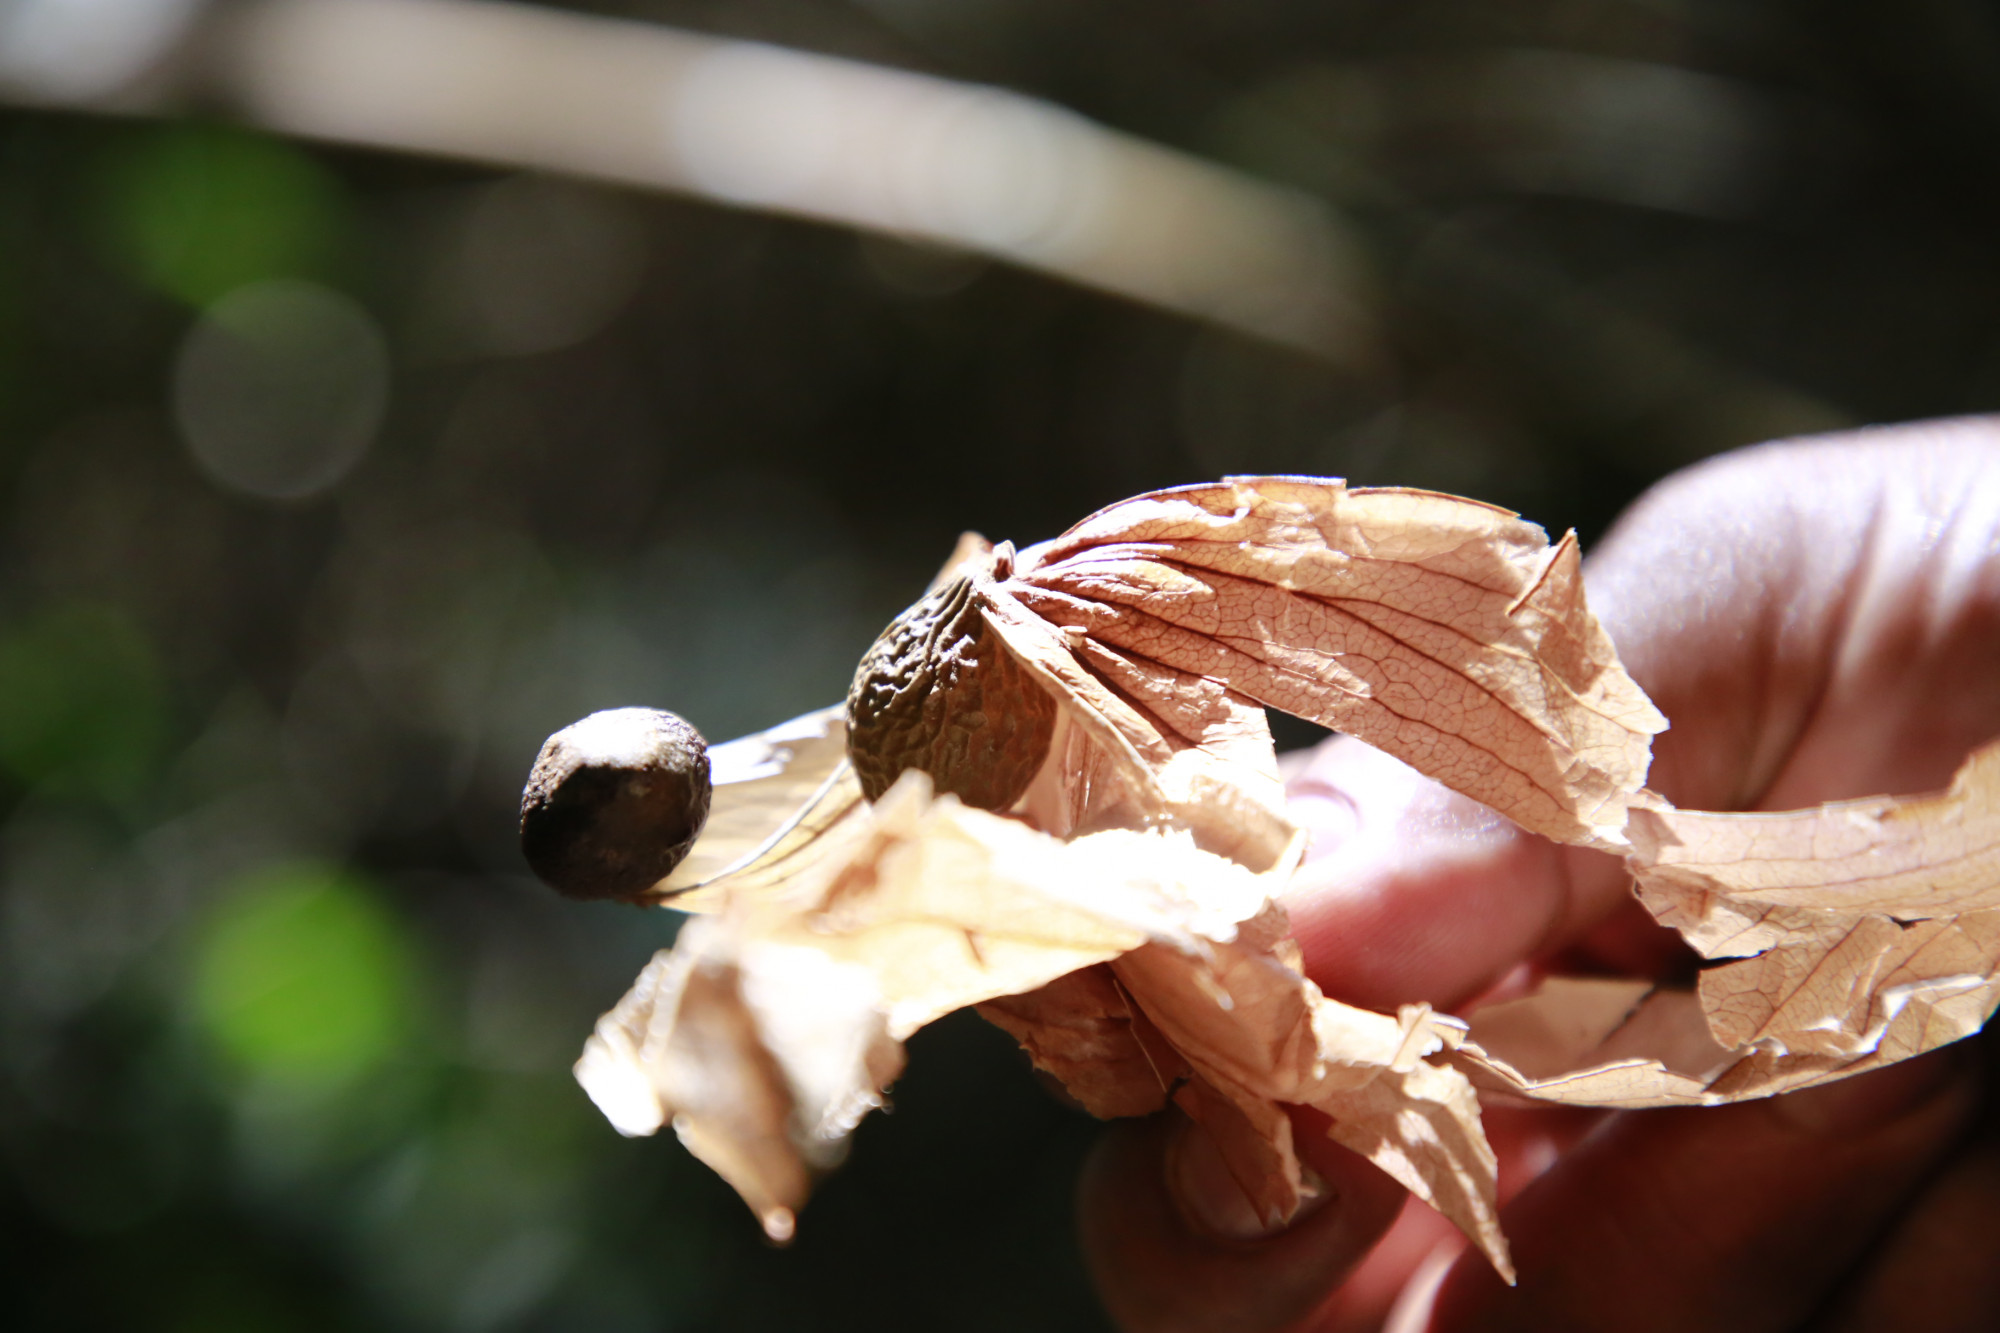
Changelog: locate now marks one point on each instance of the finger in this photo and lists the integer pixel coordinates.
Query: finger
(1526, 1141)
(1819, 641)
(1160, 1266)
(1171, 1249)
(1413, 892)
(1816, 643)
(1364, 1302)
(1735, 1219)
(1939, 1267)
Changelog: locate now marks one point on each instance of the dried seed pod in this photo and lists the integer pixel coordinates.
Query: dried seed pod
(939, 692)
(614, 802)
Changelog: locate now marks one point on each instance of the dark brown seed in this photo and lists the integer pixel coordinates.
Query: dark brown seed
(940, 693)
(614, 802)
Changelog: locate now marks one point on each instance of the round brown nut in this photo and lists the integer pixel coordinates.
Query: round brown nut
(939, 692)
(614, 802)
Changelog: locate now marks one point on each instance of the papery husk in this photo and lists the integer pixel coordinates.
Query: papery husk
(1120, 917)
(774, 1024)
(1446, 632)
(775, 793)
(1865, 932)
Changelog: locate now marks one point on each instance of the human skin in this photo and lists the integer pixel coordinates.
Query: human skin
(1819, 619)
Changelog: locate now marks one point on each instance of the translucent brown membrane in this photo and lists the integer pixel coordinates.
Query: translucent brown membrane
(1120, 918)
(1866, 932)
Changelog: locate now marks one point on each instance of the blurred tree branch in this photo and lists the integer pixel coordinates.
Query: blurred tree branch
(964, 166)
(744, 123)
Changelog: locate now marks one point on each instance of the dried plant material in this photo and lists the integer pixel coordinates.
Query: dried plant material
(1717, 877)
(1103, 694)
(1446, 632)
(1257, 1035)
(1139, 743)
(1079, 829)
(938, 692)
(775, 794)
(759, 783)
(1233, 1031)
(774, 1024)
(614, 803)
(1082, 1030)
(1873, 926)
(1592, 1042)
(761, 1059)
(1866, 931)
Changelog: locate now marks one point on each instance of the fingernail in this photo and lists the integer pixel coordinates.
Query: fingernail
(1211, 1201)
(1870, 1101)
(1325, 812)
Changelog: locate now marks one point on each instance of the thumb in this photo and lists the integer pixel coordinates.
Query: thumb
(1411, 891)
(1174, 1246)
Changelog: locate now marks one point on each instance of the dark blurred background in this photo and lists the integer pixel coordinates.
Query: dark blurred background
(336, 478)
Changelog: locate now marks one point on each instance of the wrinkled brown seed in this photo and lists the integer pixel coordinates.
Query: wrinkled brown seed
(938, 692)
(614, 802)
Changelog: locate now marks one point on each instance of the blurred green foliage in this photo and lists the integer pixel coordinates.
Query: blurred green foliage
(198, 210)
(87, 707)
(304, 978)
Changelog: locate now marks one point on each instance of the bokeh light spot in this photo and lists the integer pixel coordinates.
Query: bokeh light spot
(544, 265)
(280, 387)
(304, 978)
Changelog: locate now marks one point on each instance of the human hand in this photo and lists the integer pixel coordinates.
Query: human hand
(1820, 620)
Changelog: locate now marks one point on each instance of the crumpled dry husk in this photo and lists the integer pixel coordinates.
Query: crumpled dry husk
(1120, 918)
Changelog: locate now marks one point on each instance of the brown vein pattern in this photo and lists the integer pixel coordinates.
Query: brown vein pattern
(1447, 632)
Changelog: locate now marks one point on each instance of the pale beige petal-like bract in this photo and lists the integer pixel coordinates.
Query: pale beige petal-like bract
(774, 1023)
(1447, 632)
(777, 792)
(1862, 933)
(1119, 917)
